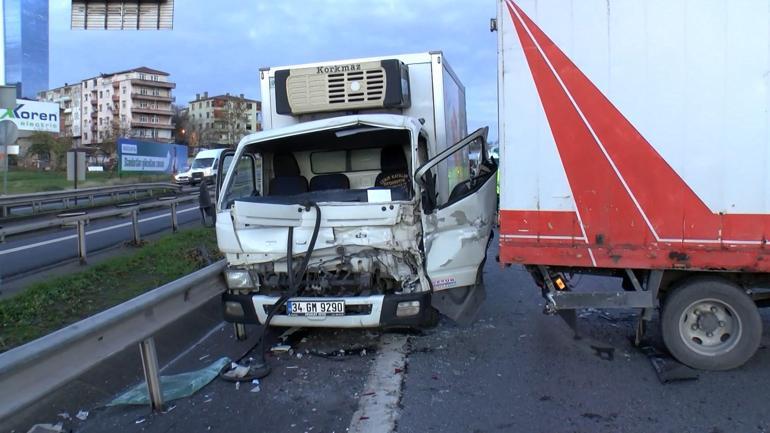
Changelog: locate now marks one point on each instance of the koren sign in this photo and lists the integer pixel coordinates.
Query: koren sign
(33, 115)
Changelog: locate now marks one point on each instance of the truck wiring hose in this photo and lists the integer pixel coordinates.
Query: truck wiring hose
(261, 368)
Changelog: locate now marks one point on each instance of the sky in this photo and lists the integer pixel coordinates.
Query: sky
(219, 46)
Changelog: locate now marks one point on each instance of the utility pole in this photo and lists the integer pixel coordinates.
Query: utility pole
(8, 129)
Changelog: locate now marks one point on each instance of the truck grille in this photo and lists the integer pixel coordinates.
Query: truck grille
(357, 86)
(338, 87)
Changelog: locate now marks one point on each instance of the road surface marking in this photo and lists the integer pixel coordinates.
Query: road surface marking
(91, 232)
(378, 406)
(200, 341)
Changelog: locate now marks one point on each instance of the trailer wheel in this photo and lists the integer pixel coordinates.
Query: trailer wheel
(711, 324)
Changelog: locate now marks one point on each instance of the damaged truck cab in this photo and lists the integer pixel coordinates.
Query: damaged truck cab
(360, 204)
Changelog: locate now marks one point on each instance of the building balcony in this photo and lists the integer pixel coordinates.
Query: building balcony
(151, 83)
(153, 97)
(161, 111)
(94, 114)
(115, 98)
(135, 124)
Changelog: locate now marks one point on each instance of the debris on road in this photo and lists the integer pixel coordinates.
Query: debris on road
(64, 415)
(47, 428)
(286, 334)
(236, 372)
(278, 348)
(174, 386)
(667, 368)
(82, 415)
(140, 420)
(606, 353)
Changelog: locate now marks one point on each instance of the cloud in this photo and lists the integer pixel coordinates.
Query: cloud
(219, 46)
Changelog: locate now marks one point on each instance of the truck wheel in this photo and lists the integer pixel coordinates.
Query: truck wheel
(711, 324)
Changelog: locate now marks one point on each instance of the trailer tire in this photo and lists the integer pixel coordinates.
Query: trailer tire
(710, 323)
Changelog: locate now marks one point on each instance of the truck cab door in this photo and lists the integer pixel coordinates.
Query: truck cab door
(457, 228)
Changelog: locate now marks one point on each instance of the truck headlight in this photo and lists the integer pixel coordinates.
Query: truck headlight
(239, 279)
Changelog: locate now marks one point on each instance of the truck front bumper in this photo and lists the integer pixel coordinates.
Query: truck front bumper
(360, 311)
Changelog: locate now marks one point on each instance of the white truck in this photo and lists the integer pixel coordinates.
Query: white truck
(365, 210)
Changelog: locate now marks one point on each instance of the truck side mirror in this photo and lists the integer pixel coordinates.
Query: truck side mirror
(208, 212)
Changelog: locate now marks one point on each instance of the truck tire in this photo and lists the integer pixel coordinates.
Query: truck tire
(710, 323)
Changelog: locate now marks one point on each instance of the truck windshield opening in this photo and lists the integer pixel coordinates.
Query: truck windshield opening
(353, 164)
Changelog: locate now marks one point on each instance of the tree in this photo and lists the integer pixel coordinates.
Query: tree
(182, 124)
(47, 146)
(117, 130)
(235, 118)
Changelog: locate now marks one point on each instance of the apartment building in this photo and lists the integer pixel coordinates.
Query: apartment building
(223, 119)
(69, 99)
(134, 103)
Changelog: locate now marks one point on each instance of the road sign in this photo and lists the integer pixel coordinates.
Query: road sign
(9, 132)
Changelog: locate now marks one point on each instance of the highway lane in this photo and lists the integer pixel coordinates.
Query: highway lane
(23, 254)
(513, 370)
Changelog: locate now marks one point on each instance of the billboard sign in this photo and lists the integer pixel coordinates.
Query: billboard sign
(33, 115)
(150, 157)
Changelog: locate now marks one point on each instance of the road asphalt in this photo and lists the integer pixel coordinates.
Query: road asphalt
(513, 370)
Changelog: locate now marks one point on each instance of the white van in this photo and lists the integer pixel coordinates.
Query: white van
(204, 167)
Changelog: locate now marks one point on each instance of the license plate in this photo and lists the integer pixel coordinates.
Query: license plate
(316, 308)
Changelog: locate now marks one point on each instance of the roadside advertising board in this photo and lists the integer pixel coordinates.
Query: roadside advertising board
(150, 157)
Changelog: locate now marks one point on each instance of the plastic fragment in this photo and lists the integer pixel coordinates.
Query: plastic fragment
(236, 372)
(174, 386)
(82, 415)
(256, 389)
(237, 386)
(299, 356)
(280, 348)
(64, 415)
(47, 428)
(140, 420)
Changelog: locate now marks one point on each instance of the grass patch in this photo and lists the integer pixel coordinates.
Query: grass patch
(22, 181)
(45, 307)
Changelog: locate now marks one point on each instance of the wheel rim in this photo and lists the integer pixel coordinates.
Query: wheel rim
(710, 327)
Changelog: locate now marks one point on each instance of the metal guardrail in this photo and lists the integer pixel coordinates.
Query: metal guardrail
(26, 371)
(87, 195)
(81, 219)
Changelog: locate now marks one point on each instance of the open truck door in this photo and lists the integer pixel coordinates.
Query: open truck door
(457, 228)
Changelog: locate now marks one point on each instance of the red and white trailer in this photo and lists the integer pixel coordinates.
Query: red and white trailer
(635, 142)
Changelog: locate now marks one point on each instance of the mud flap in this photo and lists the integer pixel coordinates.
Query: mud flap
(461, 304)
